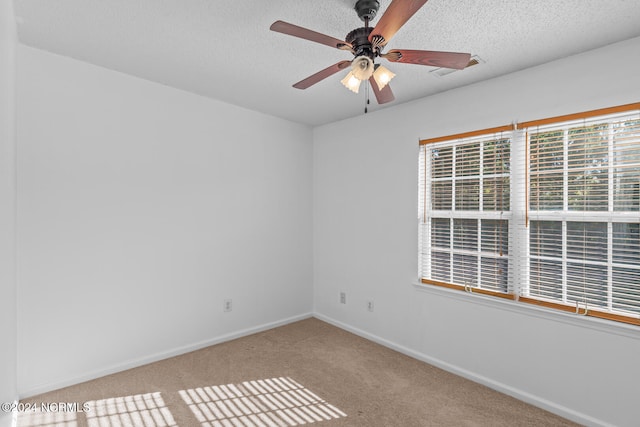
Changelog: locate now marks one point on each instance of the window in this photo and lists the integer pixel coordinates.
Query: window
(465, 212)
(558, 226)
(584, 206)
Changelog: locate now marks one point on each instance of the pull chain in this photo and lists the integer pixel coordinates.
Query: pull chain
(366, 94)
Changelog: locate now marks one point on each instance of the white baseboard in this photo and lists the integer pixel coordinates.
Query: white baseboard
(88, 376)
(531, 399)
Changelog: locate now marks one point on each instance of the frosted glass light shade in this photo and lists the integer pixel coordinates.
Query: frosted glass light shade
(351, 82)
(362, 67)
(382, 76)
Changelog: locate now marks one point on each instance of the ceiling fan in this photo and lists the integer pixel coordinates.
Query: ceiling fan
(366, 44)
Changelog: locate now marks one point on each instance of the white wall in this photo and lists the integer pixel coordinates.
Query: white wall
(8, 385)
(140, 209)
(365, 244)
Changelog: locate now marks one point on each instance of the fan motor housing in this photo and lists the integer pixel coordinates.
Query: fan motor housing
(359, 39)
(367, 9)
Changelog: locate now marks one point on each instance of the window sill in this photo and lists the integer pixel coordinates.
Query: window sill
(524, 309)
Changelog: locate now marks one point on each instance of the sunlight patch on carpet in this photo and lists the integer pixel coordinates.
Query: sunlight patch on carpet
(275, 402)
(47, 419)
(131, 411)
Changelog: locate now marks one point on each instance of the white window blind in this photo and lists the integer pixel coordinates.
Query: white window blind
(465, 212)
(584, 209)
(548, 214)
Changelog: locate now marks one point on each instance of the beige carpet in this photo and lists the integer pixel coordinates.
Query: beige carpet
(302, 373)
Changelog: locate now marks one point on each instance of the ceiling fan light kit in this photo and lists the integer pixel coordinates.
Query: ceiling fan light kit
(366, 44)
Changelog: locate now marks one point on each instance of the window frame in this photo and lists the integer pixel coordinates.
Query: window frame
(516, 285)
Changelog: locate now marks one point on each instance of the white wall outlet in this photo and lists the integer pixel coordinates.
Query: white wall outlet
(370, 305)
(343, 297)
(228, 305)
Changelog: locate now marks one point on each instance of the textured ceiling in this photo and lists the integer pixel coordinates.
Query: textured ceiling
(224, 49)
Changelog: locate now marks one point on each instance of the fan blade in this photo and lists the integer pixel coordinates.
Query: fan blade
(396, 15)
(383, 95)
(321, 75)
(429, 57)
(303, 33)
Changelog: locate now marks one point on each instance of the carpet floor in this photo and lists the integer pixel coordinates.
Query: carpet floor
(301, 373)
